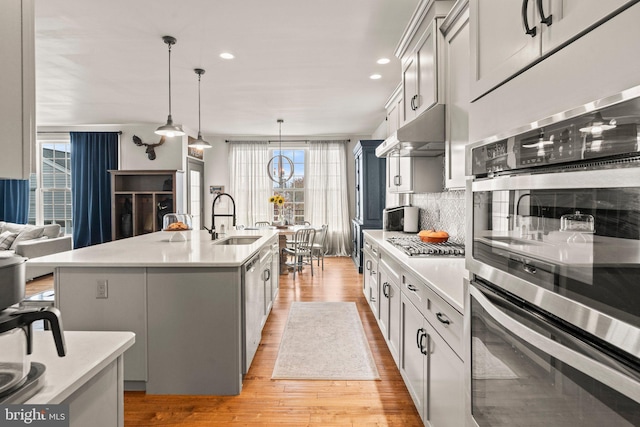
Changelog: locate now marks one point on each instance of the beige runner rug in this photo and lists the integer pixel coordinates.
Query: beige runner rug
(324, 341)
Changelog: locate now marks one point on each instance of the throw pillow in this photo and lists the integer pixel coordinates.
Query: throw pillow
(6, 239)
(28, 234)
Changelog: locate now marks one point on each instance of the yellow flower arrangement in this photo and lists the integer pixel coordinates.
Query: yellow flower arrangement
(277, 199)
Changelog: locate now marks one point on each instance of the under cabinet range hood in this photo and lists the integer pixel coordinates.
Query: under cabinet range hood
(421, 137)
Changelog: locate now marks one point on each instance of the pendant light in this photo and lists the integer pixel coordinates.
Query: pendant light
(199, 143)
(275, 167)
(169, 129)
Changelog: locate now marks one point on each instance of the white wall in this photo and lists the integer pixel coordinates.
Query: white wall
(171, 155)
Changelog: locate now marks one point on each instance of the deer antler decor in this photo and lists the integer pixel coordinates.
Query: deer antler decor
(151, 153)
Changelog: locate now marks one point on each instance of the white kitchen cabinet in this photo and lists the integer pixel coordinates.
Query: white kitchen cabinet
(17, 86)
(371, 277)
(457, 68)
(266, 258)
(393, 108)
(432, 371)
(420, 70)
(420, 53)
(414, 174)
(413, 353)
(502, 46)
(445, 406)
(389, 320)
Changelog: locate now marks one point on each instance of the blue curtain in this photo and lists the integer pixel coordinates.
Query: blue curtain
(92, 155)
(14, 200)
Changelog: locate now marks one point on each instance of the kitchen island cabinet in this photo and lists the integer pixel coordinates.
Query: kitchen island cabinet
(185, 301)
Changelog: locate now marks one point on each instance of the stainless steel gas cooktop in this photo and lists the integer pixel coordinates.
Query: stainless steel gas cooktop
(414, 247)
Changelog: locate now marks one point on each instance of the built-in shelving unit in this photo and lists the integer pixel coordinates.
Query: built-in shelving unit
(139, 199)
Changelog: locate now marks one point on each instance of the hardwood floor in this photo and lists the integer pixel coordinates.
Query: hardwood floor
(264, 401)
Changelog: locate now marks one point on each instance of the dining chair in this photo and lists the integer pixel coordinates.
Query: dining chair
(260, 224)
(318, 250)
(301, 249)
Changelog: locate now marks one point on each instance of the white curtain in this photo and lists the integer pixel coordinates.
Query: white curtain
(326, 200)
(249, 182)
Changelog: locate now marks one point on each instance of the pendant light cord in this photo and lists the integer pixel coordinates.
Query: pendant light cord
(280, 168)
(169, 78)
(199, 76)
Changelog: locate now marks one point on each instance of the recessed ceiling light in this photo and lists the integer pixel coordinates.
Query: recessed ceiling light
(375, 76)
(226, 55)
(383, 61)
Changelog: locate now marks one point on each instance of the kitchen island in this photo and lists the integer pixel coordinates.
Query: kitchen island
(197, 306)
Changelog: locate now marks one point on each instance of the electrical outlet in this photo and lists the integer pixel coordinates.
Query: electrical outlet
(102, 289)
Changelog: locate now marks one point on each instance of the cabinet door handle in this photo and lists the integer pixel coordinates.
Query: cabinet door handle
(385, 290)
(419, 333)
(525, 20)
(423, 344)
(414, 102)
(396, 180)
(443, 319)
(268, 274)
(548, 20)
(368, 264)
(412, 107)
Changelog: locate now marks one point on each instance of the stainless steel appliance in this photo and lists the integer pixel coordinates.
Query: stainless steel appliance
(19, 378)
(414, 247)
(401, 218)
(553, 320)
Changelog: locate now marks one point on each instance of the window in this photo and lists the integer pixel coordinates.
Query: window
(50, 187)
(293, 189)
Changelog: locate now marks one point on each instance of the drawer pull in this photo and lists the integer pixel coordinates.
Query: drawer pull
(411, 287)
(530, 269)
(443, 319)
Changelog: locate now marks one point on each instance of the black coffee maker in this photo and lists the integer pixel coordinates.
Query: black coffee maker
(18, 376)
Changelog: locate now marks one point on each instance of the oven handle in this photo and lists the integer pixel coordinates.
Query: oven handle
(600, 372)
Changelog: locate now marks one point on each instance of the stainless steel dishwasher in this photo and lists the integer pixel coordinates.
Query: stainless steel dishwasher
(253, 307)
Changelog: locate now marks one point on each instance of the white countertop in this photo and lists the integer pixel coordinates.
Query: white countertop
(155, 250)
(444, 275)
(87, 354)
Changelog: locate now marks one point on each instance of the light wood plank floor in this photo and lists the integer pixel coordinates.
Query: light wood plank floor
(264, 401)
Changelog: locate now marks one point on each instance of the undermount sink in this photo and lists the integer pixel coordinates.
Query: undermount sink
(244, 240)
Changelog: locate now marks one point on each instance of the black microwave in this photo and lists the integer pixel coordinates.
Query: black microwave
(401, 218)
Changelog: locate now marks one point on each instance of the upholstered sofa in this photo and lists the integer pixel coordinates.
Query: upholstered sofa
(32, 241)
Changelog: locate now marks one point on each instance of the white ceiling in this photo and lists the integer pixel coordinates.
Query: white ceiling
(307, 62)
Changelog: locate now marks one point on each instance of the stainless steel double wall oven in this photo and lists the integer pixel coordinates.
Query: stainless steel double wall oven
(553, 251)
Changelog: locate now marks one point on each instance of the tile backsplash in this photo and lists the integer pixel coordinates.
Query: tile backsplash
(443, 211)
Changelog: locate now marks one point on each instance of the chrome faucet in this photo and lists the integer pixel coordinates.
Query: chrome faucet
(214, 234)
